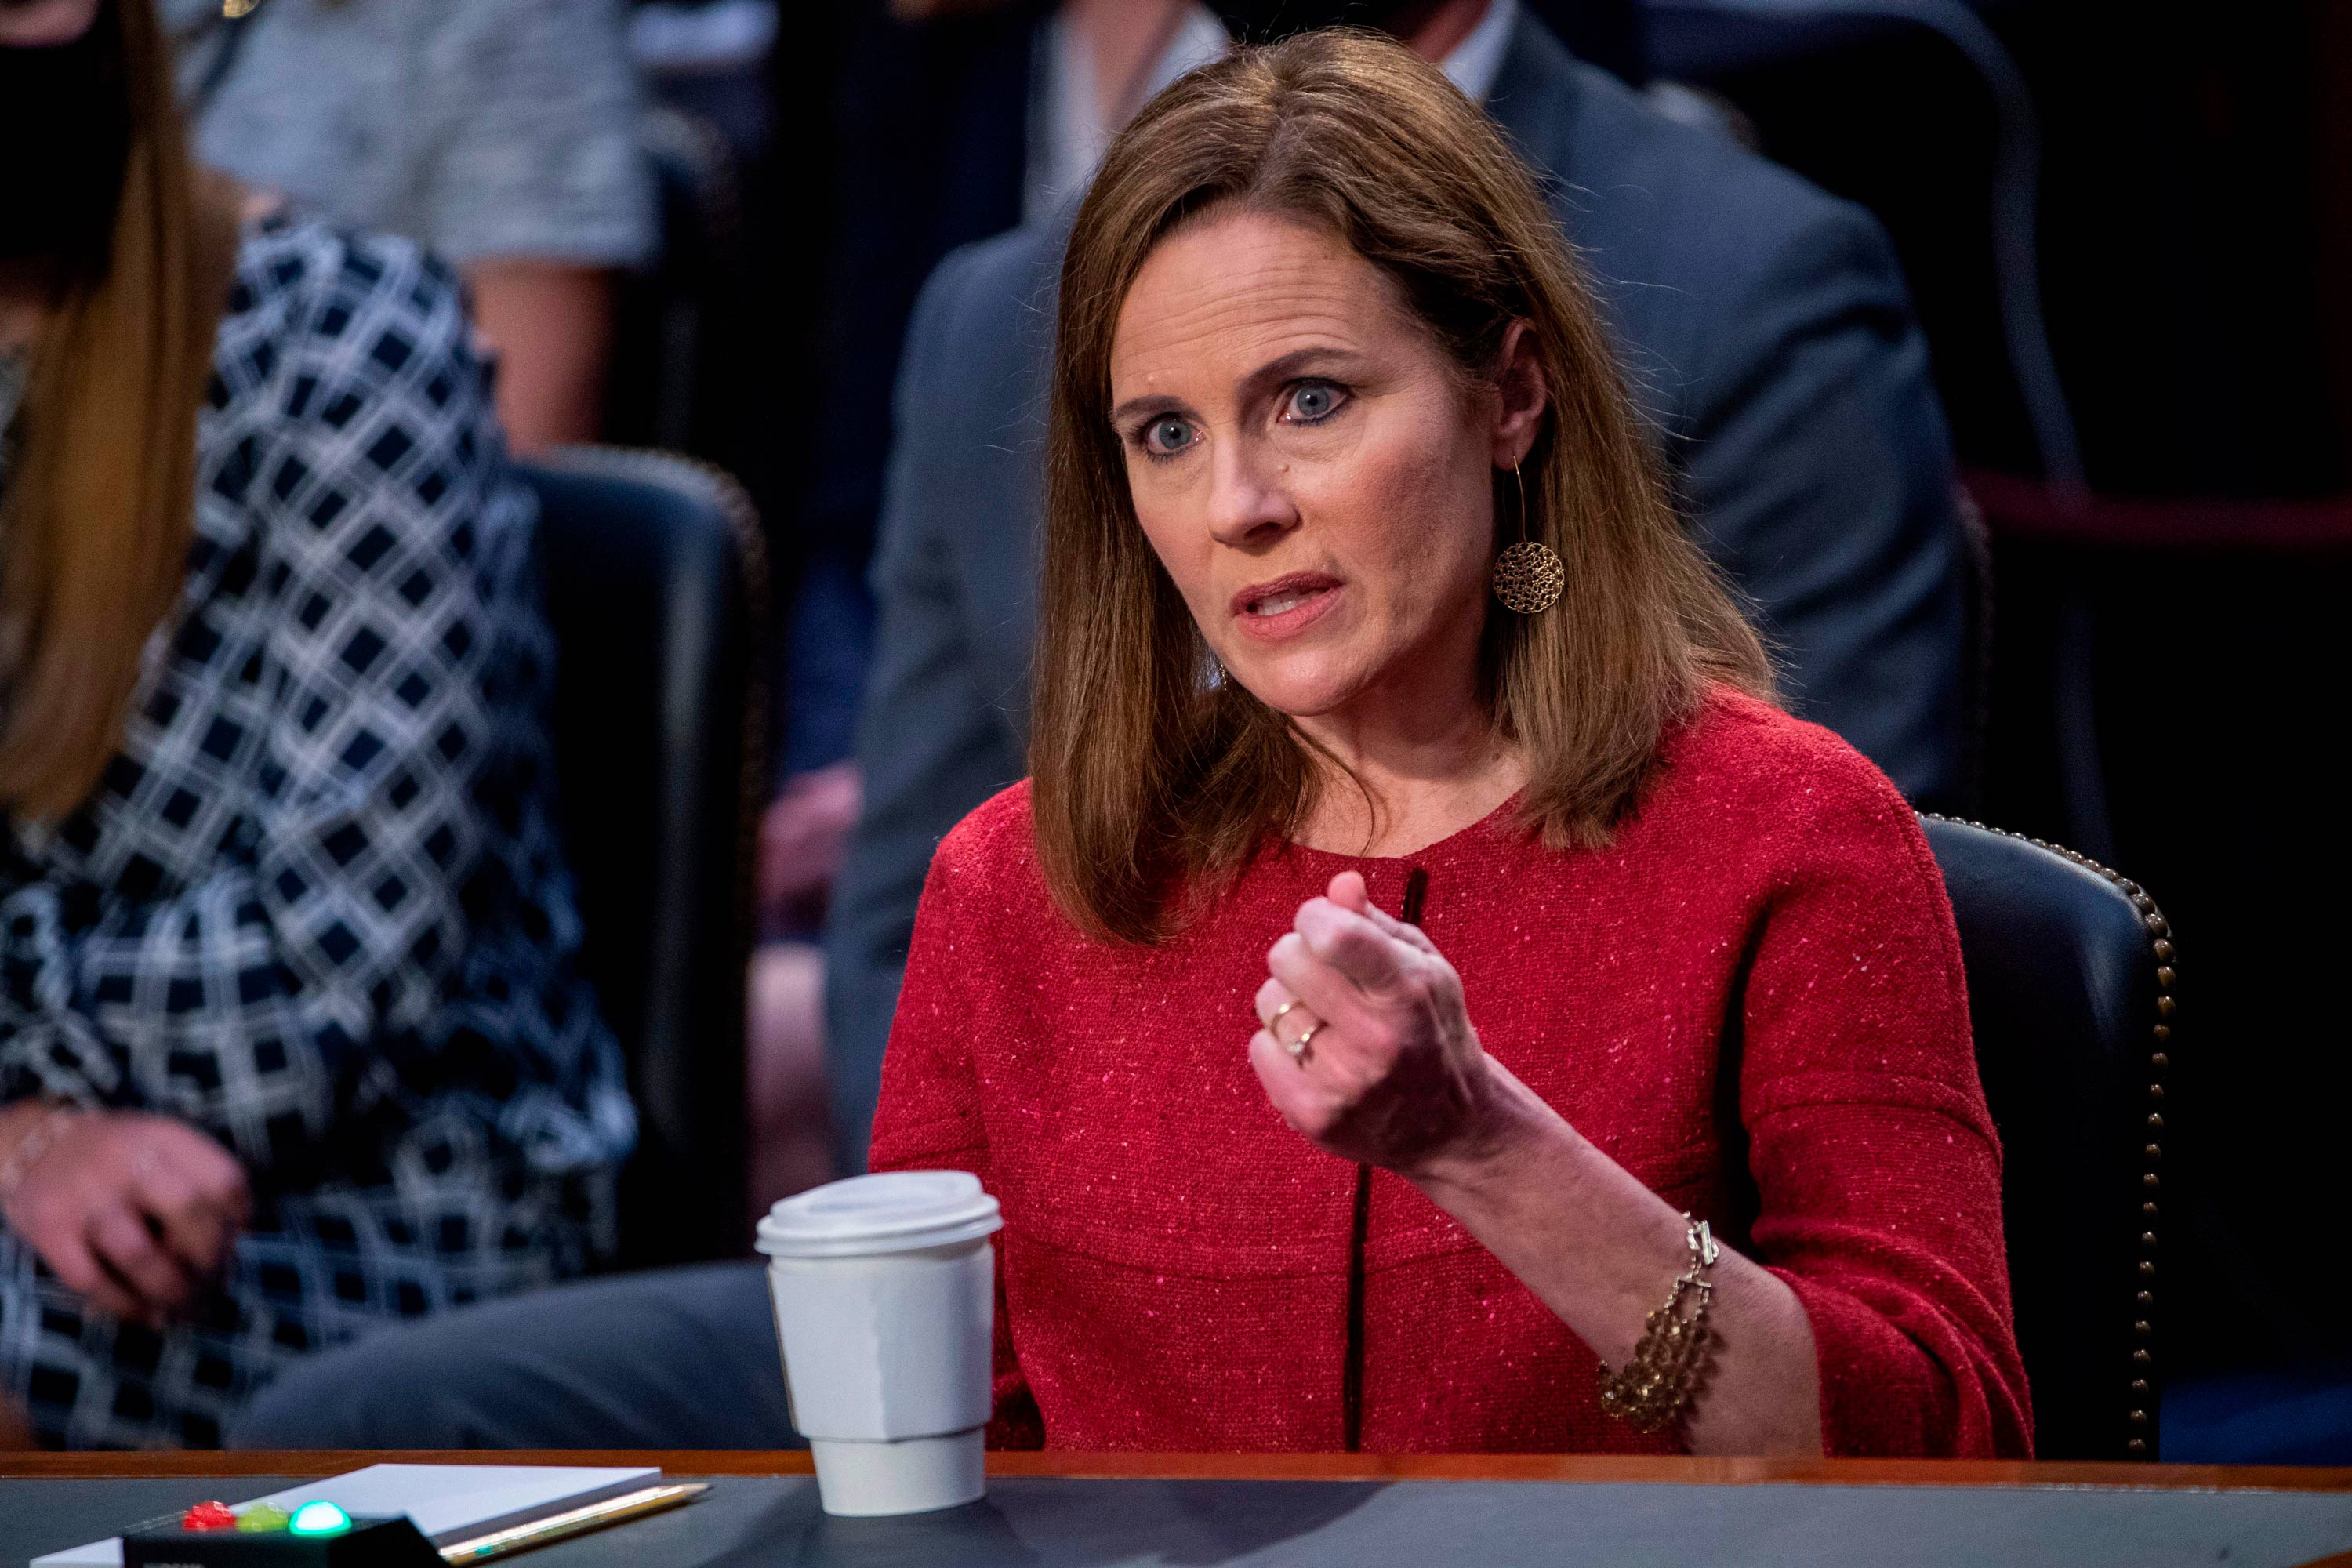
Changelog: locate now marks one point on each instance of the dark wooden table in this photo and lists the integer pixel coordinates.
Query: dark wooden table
(1048, 1511)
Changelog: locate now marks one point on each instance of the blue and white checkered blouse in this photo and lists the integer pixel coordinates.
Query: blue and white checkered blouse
(316, 906)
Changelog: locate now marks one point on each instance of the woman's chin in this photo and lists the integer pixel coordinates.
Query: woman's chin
(1301, 693)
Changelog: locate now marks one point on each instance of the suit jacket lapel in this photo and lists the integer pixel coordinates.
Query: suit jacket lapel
(1003, 571)
(1534, 99)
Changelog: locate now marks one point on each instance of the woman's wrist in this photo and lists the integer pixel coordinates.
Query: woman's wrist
(1511, 1124)
(19, 1117)
(28, 1130)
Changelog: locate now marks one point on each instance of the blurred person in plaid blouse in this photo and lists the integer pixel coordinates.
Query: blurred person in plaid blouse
(292, 1039)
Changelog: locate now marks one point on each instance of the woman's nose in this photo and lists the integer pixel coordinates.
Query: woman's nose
(1248, 502)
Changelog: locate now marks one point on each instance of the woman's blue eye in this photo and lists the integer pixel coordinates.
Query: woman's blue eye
(1167, 436)
(1311, 401)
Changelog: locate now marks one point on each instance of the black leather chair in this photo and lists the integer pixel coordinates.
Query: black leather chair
(655, 585)
(2070, 970)
(677, 374)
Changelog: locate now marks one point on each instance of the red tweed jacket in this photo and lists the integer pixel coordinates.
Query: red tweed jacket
(1752, 999)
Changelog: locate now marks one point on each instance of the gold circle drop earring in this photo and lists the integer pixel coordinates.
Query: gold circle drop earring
(1528, 576)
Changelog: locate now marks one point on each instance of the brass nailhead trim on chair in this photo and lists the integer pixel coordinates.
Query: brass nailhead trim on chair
(2160, 936)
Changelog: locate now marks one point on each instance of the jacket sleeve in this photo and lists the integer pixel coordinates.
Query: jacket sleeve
(1820, 475)
(929, 744)
(391, 547)
(929, 1114)
(1877, 1165)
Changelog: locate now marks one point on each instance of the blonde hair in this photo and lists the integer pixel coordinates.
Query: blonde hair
(98, 508)
(1146, 782)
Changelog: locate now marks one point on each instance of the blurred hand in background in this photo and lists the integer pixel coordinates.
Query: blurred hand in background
(802, 840)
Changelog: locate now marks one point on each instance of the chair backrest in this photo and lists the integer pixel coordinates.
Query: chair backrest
(2070, 972)
(678, 378)
(654, 584)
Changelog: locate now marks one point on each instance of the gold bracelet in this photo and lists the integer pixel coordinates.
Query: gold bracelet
(1663, 1374)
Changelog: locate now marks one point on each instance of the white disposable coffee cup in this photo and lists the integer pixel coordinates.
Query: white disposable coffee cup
(885, 1289)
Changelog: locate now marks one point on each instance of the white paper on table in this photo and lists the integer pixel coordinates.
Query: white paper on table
(445, 1502)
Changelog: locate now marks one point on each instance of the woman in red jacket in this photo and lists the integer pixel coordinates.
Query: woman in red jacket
(1649, 1118)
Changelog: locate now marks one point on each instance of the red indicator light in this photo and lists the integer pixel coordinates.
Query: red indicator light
(208, 1516)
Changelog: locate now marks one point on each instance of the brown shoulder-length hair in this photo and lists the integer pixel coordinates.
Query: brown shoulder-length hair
(99, 506)
(1149, 781)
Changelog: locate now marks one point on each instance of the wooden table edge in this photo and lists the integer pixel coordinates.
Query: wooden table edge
(1072, 1465)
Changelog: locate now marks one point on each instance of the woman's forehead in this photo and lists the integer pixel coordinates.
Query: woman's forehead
(1227, 294)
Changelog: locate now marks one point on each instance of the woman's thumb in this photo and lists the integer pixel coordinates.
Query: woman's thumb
(1348, 892)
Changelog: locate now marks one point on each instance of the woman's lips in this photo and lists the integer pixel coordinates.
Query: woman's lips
(1284, 606)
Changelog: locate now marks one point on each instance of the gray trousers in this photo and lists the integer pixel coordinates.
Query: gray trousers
(673, 1357)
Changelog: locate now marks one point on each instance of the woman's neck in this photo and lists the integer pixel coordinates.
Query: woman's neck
(1401, 767)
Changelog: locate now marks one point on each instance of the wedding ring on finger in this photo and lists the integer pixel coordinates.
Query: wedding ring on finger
(1298, 1047)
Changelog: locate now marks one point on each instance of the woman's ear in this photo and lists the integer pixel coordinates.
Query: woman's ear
(1523, 396)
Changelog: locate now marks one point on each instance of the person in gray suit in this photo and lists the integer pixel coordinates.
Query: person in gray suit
(1763, 324)
(1768, 331)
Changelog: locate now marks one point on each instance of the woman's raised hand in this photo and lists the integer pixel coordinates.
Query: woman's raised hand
(1391, 1073)
(133, 1212)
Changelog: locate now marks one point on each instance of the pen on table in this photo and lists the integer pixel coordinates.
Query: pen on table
(575, 1521)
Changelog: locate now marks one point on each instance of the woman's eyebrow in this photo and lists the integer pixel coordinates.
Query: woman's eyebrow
(1150, 402)
(1315, 357)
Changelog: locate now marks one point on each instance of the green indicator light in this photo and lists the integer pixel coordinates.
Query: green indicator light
(260, 1518)
(319, 1518)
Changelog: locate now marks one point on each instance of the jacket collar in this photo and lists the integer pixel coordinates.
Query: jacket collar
(1535, 94)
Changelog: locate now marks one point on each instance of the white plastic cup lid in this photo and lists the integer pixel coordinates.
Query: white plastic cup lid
(891, 1211)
